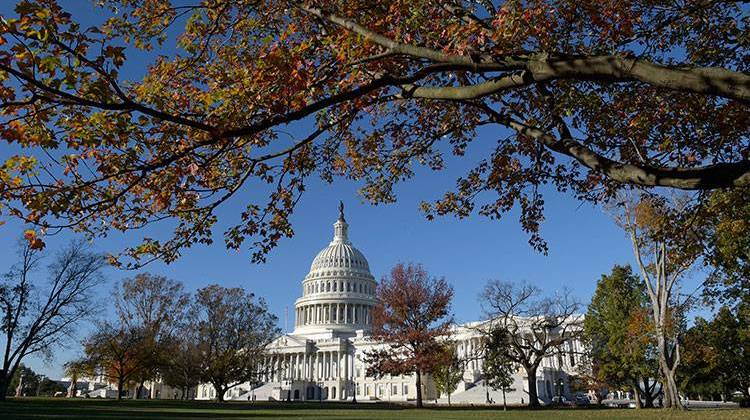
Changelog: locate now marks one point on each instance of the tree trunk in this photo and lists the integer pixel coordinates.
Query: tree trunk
(72, 386)
(219, 393)
(637, 395)
(419, 388)
(533, 396)
(668, 367)
(648, 393)
(449, 399)
(4, 384)
(19, 388)
(505, 403)
(120, 382)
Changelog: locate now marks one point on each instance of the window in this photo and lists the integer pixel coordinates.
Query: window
(359, 390)
(394, 390)
(334, 286)
(406, 389)
(367, 390)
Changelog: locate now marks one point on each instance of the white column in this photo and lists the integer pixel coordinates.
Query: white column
(337, 371)
(346, 313)
(317, 365)
(346, 366)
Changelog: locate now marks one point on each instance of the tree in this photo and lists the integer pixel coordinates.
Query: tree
(117, 353)
(591, 97)
(233, 332)
(24, 382)
(665, 246)
(183, 366)
(410, 318)
(450, 373)
(724, 225)
(76, 369)
(717, 353)
(498, 367)
(49, 388)
(536, 326)
(153, 305)
(37, 318)
(620, 359)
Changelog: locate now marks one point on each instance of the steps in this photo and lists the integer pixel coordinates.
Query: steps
(266, 392)
(476, 393)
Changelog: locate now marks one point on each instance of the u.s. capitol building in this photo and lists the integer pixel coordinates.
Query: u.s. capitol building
(323, 358)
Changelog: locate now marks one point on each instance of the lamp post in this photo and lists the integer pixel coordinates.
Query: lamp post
(354, 392)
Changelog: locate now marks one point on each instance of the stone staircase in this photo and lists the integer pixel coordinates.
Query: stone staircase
(476, 393)
(265, 392)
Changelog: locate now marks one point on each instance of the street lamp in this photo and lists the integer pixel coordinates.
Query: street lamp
(354, 392)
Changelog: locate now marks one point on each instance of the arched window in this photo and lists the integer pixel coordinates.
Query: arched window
(328, 286)
(348, 287)
(334, 286)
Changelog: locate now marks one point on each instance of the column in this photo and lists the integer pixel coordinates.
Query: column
(346, 313)
(317, 365)
(337, 371)
(346, 366)
(338, 314)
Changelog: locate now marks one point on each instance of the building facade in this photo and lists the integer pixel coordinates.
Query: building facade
(323, 358)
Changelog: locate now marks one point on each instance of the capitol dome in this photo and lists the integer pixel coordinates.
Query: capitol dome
(339, 292)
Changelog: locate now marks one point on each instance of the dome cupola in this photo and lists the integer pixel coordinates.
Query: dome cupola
(339, 292)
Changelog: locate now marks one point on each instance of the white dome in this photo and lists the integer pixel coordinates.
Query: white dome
(339, 292)
(340, 255)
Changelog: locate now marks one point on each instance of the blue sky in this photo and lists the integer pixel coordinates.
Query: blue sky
(583, 241)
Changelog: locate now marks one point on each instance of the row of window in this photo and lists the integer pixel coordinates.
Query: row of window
(379, 390)
(339, 262)
(338, 286)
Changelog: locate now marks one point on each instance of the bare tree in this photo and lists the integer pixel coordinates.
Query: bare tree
(536, 327)
(665, 247)
(37, 318)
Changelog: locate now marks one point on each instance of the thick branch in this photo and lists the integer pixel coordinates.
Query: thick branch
(720, 175)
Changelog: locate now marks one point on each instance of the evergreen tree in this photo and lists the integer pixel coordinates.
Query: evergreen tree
(498, 367)
(617, 331)
(448, 375)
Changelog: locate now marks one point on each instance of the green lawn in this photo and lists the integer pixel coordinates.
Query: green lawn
(38, 408)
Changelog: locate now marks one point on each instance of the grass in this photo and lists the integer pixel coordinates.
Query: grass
(41, 408)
